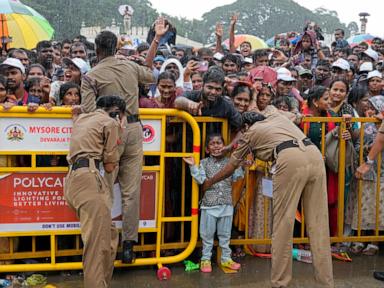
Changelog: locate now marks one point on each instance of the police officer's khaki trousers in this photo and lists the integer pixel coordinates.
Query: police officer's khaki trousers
(129, 173)
(87, 194)
(300, 174)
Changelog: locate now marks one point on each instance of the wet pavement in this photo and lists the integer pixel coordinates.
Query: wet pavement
(254, 273)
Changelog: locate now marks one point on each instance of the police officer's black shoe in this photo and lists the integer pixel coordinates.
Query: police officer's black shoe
(128, 255)
(379, 275)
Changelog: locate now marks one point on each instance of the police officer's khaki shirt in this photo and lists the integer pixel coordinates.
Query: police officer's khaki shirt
(263, 136)
(114, 77)
(94, 135)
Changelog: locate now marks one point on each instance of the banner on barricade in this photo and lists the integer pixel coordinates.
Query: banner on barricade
(51, 134)
(35, 202)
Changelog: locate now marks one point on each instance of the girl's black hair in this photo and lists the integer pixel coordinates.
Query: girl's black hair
(106, 102)
(32, 82)
(213, 135)
(65, 87)
(282, 99)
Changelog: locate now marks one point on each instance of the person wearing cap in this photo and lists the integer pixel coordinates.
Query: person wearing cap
(58, 75)
(369, 55)
(365, 67)
(284, 87)
(340, 68)
(247, 64)
(217, 57)
(113, 76)
(14, 71)
(298, 172)
(375, 83)
(74, 70)
(158, 62)
(85, 189)
(305, 81)
(361, 75)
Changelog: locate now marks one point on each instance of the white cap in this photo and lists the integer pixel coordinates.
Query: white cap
(342, 64)
(373, 74)
(79, 63)
(372, 54)
(13, 62)
(284, 74)
(218, 56)
(366, 67)
(248, 60)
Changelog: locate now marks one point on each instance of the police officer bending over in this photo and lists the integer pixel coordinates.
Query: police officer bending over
(299, 172)
(94, 141)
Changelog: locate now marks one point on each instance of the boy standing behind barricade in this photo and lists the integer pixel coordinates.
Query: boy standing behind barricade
(216, 205)
(95, 140)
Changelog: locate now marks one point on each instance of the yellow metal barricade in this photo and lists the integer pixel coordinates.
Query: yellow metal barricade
(153, 242)
(156, 235)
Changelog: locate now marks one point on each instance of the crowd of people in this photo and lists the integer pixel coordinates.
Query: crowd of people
(305, 78)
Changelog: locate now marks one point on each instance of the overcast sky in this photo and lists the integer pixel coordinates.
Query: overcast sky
(347, 10)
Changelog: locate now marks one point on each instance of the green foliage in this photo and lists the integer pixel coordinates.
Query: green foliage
(263, 18)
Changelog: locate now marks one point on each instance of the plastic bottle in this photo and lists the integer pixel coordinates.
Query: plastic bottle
(302, 255)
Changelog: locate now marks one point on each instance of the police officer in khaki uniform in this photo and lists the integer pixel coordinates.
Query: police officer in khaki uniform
(299, 172)
(112, 76)
(94, 140)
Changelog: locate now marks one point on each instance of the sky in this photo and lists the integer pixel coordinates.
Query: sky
(347, 10)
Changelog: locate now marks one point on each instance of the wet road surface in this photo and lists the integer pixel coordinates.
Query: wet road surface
(254, 273)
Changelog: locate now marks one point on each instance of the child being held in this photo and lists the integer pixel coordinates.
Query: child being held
(216, 205)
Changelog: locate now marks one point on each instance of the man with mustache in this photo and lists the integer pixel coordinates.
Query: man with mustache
(44, 51)
(210, 101)
(14, 71)
(323, 73)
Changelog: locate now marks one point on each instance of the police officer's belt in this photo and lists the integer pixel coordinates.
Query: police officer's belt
(133, 118)
(84, 162)
(291, 144)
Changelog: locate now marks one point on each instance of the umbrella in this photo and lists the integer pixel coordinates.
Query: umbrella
(356, 39)
(256, 42)
(21, 26)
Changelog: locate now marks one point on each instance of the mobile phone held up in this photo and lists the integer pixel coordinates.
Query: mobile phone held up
(203, 66)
